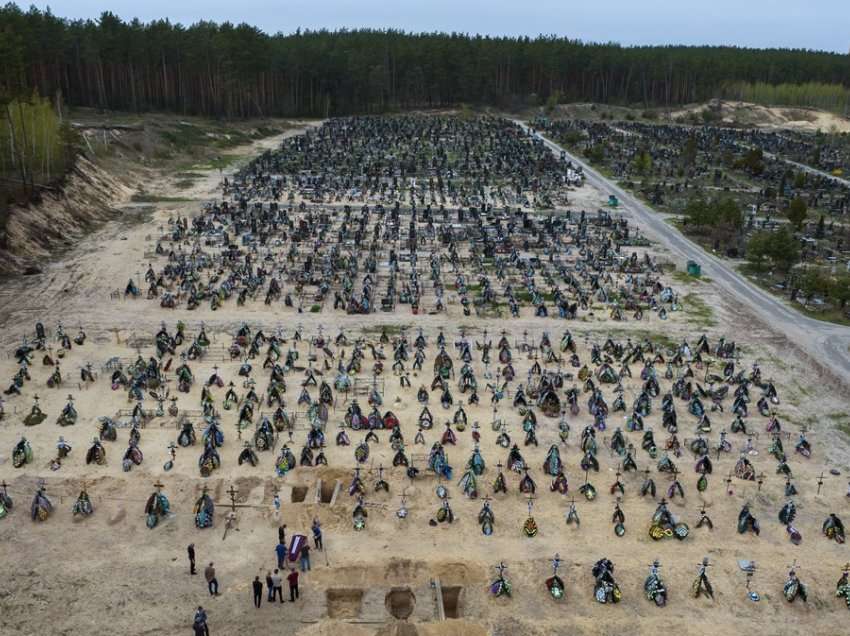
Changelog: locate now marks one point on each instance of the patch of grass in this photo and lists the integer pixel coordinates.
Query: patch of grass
(840, 422)
(833, 314)
(697, 309)
(186, 136)
(684, 277)
(184, 184)
(825, 314)
(315, 309)
(843, 428)
(658, 339)
(189, 175)
(223, 161)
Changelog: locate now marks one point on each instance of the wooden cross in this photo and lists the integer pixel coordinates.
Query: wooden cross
(729, 483)
(761, 479)
(232, 492)
(531, 499)
(158, 485)
(750, 573)
(820, 482)
(172, 447)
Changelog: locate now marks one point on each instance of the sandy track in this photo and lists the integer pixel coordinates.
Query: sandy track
(824, 341)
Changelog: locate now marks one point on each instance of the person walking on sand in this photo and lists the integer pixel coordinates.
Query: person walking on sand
(212, 582)
(317, 533)
(277, 586)
(199, 623)
(292, 577)
(269, 587)
(191, 551)
(280, 550)
(258, 591)
(281, 534)
(305, 557)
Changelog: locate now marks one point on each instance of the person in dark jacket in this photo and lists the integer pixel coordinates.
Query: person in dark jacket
(280, 550)
(191, 551)
(292, 577)
(269, 587)
(317, 533)
(258, 591)
(212, 581)
(199, 623)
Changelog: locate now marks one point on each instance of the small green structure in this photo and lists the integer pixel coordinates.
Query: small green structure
(613, 202)
(694, 269)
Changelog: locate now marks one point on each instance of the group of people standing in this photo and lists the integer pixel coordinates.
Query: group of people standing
(274, 579)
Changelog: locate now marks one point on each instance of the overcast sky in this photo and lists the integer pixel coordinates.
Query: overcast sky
(811, 24)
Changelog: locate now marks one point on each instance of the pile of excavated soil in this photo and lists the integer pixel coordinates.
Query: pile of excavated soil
(37, 231)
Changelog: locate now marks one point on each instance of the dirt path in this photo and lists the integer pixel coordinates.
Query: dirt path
(822, 340)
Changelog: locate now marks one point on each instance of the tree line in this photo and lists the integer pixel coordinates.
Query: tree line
(227, 70)
(833, 97)
(36, 150)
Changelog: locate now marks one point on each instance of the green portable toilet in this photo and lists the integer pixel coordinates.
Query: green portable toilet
(612, 201)
(694, 269)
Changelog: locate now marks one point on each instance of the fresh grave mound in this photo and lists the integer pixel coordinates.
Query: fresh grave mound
(344, 602)
(400, 603)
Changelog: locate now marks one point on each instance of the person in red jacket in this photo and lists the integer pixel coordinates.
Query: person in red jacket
(292, 577)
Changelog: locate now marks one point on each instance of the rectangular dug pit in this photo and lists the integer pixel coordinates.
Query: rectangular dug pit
(327, 491)
(299, 494)
(452, 601)
(344, 602)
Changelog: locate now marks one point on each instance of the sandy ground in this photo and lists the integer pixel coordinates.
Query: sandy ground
(788, 117)
(731, 111)
(109, 572)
